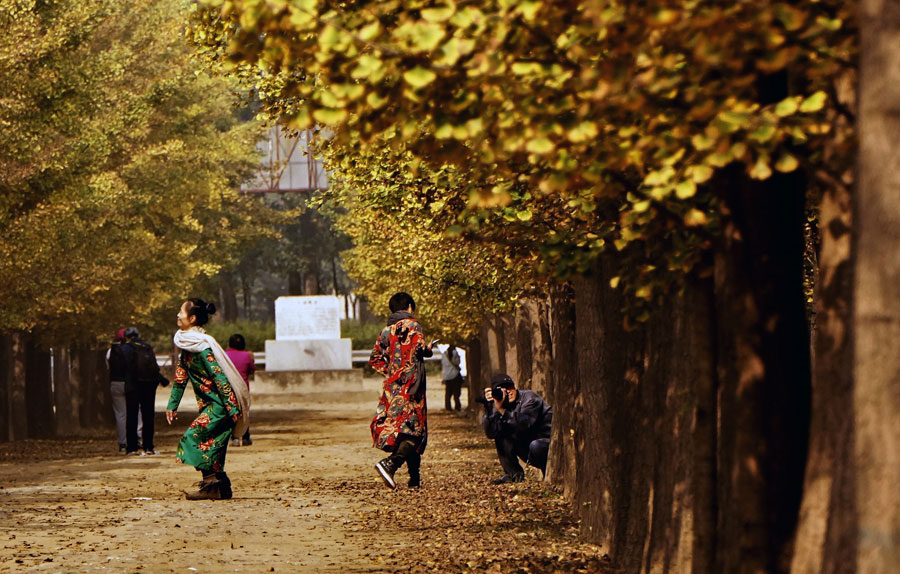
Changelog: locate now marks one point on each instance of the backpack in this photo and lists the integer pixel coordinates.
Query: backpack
(146, 367)
(118, 364)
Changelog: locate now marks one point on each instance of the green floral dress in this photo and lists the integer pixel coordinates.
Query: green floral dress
(204, 443)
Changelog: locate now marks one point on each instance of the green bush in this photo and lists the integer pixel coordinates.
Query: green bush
(362, 334)
(255, 332)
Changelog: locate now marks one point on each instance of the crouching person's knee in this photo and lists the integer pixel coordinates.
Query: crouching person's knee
(537, 453)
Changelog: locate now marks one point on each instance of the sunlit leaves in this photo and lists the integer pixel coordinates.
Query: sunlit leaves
(612, 116)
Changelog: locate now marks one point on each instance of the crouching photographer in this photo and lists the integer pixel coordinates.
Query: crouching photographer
(519, 422)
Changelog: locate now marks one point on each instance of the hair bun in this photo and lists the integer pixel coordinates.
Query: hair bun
(211, 308)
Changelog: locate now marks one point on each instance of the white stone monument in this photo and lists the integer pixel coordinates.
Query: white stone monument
(308, 336)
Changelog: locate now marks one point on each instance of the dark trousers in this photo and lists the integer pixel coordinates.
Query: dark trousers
(510, 449)
(453, 389)
(143, 399)
(405, 451)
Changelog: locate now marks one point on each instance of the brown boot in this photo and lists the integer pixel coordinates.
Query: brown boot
(208, 490)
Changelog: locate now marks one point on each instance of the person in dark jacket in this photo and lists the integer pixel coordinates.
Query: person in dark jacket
(141, 381)
(519, 422)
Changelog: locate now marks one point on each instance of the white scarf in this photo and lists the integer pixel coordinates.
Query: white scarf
(195, 340)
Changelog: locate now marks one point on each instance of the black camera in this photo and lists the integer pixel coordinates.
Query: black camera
(497, 393)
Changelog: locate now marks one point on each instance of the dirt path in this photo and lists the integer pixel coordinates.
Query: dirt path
(306, 499)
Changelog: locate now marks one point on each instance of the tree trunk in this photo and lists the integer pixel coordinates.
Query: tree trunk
(636, 471)
(66, 397)
(525, 325)
(6, 365)
(700, 338)
(295, 283)
(541, 347)
(473, 373)
(826, 536)
(564, 392)
(493, 347)
(39, 393)
(876, 305)
(228, 298)
(509, 350)
(90, 370)
(764, 372)
(311, 281)
(18, 410)
(246, 293)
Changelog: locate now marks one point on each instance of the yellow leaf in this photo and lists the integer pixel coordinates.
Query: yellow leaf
(584, 131)
(814, 103)
(787, 106)
(439, 13)
(786, 163)
(419, 77)
(539, 145)
(761, 169)
(330, 116)
(685, 189)
(370, 32)
(529, 9)
(695, 218)
(701, 173)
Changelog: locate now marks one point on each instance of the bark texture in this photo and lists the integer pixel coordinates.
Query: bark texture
(564, 392)
(876, 307)
(18, 412)
(66, 397)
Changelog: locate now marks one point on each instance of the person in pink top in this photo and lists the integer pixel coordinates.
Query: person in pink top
(243, 362)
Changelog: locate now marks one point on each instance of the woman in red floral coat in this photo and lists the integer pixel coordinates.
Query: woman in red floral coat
(400, 423)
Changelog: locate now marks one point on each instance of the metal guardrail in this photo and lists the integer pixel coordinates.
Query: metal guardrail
(357, 356)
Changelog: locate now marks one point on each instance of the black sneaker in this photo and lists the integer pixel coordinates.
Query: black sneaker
(386, 469)
(507, 478)
(415, 481)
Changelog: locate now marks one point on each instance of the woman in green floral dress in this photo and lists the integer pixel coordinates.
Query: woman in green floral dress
(222, 400)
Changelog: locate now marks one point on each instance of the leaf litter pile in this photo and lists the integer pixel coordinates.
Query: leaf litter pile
(459, 522)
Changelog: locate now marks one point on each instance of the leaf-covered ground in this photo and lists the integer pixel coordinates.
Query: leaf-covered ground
(307, 499)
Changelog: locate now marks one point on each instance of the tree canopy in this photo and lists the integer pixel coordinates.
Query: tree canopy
(120, 163)
(579, 127)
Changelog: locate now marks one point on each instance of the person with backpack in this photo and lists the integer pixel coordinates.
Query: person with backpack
(118, 358)
(140, 393)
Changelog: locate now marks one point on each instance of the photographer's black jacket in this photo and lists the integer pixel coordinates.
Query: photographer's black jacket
(528, 417)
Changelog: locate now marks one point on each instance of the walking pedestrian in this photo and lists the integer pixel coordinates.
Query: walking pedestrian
(245, 365)
(140, 393)
(118, 358)
(222, 397)
(400, 422)
(452, 377)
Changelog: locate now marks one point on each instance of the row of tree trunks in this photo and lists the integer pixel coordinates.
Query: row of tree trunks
(39, 393)
(5, 379)
(684, 440)
(18, 413)
(38, 402)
